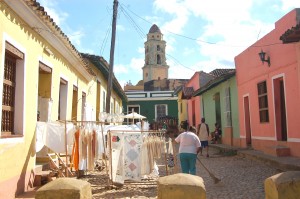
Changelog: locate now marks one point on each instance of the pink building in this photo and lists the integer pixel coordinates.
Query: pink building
(194, 111)
(269, 90)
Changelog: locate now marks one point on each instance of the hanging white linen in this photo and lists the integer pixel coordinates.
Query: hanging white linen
(40, 130)
(132, 155)
(52, 135)
(88, 112)
(145, 165)
(117, 157)
(44, 108)
(101, 143)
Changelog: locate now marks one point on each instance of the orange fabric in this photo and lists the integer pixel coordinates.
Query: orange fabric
(75, 151)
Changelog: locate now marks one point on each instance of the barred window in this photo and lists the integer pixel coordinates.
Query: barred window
(12, 116)
(8, 96)
(263, 102)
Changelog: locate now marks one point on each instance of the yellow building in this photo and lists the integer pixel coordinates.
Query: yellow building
(182, 104)
(39, 68)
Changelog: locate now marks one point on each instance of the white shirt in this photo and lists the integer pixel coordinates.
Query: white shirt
(203, 132)
(189, 142)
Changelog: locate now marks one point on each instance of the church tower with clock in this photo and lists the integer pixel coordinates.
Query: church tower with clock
(155, 67)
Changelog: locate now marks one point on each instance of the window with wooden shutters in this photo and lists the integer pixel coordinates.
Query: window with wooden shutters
(8, 95)
(227, 107)
(263, 102)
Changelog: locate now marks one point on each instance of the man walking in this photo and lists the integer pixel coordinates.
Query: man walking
(203, 133)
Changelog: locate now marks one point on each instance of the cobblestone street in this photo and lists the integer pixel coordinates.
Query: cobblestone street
(240, 177)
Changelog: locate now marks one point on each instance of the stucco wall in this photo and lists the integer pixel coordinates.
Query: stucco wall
(182, 115)
(250, 71)
(17, 155)
(210, 111)
(147, 108)
(195, 83)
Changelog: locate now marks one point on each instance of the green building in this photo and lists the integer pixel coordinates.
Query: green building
(219, 105)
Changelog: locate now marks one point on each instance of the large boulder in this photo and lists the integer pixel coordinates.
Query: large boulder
(180, 186)
(283, 185)
(65, 188)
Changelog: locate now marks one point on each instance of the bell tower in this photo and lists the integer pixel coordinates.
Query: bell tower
(155, 67)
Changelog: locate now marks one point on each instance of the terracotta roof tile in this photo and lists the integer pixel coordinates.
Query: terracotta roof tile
(42, 14)
(187, 92)
(215, 82)
(103, 66)
(291, 35)
(221, 72)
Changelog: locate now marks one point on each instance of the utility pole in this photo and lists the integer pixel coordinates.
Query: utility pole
(111, 59)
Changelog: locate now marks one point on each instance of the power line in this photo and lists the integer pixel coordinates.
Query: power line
(135, 25)
(105, 40)
(203, 41)
(176, 61)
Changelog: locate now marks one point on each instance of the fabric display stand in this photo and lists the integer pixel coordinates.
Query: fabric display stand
(82, 140)
(133, 154)
(89, 146)
(123, 150)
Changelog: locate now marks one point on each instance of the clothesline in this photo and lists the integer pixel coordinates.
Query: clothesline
(70, 126)
(129, 150)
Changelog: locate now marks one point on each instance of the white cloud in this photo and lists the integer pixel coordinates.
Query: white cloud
(120, 69)
(141, 50)
(137, 64)
(176, 25)
(188, 51)
(181, 13)
(288, 5)
(132, 71)
(177, 71)
(229, 24)
(58, 16)
(122, 83)
(75, 37)
(232, 24)
(120, 28)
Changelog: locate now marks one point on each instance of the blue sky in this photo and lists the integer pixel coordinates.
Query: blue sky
(200, 34)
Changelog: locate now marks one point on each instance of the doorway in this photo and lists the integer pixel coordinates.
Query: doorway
(63, 98)
(280, 109)
(74, 103)
(247, 120)
(218, 108)
(44, 93)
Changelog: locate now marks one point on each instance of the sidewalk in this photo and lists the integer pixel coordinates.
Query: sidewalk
(281, 163)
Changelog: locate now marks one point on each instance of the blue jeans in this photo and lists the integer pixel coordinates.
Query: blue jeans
(188, 163)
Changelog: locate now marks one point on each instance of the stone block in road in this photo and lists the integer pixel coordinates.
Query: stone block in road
(180, 186)
(65, 188)
(283, 185)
